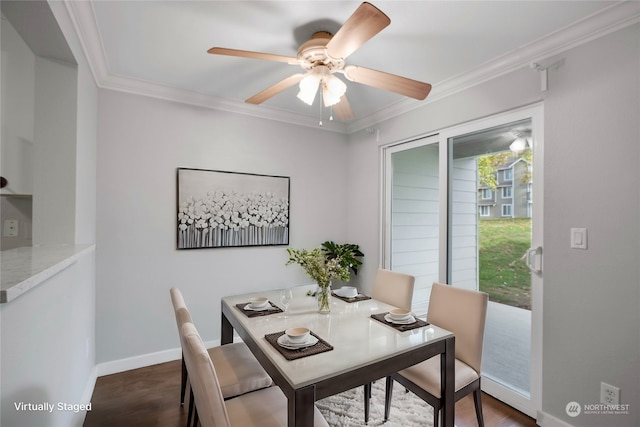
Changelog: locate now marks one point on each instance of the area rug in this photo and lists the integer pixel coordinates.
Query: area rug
(347, 409)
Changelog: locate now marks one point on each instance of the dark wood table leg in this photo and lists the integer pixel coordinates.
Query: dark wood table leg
(367, 401)
(301, 407)
(447, 372)
(226, 331)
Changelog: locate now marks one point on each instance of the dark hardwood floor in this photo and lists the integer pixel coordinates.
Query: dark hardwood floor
(149, 397)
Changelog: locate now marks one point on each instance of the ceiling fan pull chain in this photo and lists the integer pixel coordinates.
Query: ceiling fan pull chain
(320, 104)
(331, 113)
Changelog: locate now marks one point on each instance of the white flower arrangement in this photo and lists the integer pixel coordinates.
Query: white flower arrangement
(226, 218)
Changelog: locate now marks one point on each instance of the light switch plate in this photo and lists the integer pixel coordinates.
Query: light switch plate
(578, 238)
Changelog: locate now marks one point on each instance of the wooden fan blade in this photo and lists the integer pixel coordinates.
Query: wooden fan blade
(343, 109)
(366, 22)
(284, 84)
(254, 55)
(386, 81)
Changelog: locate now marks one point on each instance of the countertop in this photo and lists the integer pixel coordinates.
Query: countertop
(22, 269)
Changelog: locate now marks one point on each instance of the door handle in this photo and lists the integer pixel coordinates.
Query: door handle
(531, 255)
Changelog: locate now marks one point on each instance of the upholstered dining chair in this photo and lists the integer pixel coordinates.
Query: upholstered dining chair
(266, 407)
(238, 370)
(395, 289)
(462, 312)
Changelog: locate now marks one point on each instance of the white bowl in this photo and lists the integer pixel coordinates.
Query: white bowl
(348, 292)
(297, 335)
(399, 314)
(258, 302)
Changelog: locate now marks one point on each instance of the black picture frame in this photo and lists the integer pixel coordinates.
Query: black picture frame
(222, 209)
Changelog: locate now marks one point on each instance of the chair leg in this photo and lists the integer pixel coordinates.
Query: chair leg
(191, 405)
(436, 417)
(388, 394)
(367, 401)
(478, 402)
(183, 386)
(195, 419)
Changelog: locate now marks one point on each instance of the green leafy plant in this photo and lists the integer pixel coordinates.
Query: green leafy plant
(320, 268)
(347, 254)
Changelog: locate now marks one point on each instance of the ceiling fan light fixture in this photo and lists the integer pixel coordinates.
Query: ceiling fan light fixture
(308, 88)
(518, 145)
(332, 90)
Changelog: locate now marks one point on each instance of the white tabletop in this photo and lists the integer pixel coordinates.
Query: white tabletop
(358, 340)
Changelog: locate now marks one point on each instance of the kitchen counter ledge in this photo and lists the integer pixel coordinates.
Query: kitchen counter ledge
(22, 269)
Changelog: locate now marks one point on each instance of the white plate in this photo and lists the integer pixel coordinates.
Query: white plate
(400, 318)
(283, 341)
(266, 307)
(340, 294)
(406, 321)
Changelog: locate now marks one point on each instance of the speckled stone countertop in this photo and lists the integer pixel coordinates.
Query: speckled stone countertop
(24, 268)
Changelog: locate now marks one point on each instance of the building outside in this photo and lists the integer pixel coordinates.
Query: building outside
(511, 197)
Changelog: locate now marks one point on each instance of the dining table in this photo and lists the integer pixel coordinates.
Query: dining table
(355, 347)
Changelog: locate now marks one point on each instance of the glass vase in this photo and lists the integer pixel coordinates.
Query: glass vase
(323, 297)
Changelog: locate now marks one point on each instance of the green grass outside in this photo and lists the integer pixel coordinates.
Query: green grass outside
(503, 273)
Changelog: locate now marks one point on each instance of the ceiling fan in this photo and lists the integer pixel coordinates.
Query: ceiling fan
(324, 55)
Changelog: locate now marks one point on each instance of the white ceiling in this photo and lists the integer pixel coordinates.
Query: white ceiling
(160, 47)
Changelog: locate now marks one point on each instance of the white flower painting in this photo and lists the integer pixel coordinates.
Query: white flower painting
(226, 209)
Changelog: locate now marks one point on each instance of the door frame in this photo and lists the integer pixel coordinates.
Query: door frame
(531, 405)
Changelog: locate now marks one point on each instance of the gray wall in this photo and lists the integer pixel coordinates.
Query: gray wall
(591, 298)
(592, 146)
(141, 143)
(54, 160)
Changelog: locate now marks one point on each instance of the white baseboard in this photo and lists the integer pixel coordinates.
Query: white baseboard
(128, 364)
(121, 365)
(91, 384)
(86, 396)
(545, 420)
(136, 362)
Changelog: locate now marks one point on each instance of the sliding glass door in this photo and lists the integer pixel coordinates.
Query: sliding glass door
(464, 207)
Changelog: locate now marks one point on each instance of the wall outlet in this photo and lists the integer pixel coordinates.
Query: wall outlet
(10, 228)
(609, 395)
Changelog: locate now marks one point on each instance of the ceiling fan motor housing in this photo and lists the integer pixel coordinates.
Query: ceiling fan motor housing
(313, 53)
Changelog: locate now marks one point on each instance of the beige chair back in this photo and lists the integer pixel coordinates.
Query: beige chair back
(394, 288)
(177, 299)
(182, 317)
(180, 308)
(210, 405)
(462, 312)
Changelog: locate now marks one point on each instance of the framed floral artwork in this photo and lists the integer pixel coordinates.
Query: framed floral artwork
(218, 209)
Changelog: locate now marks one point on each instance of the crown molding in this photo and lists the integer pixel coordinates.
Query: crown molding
(86, 28)
(599, 24)
(617, 16)
(168, 93)
(83, 18)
